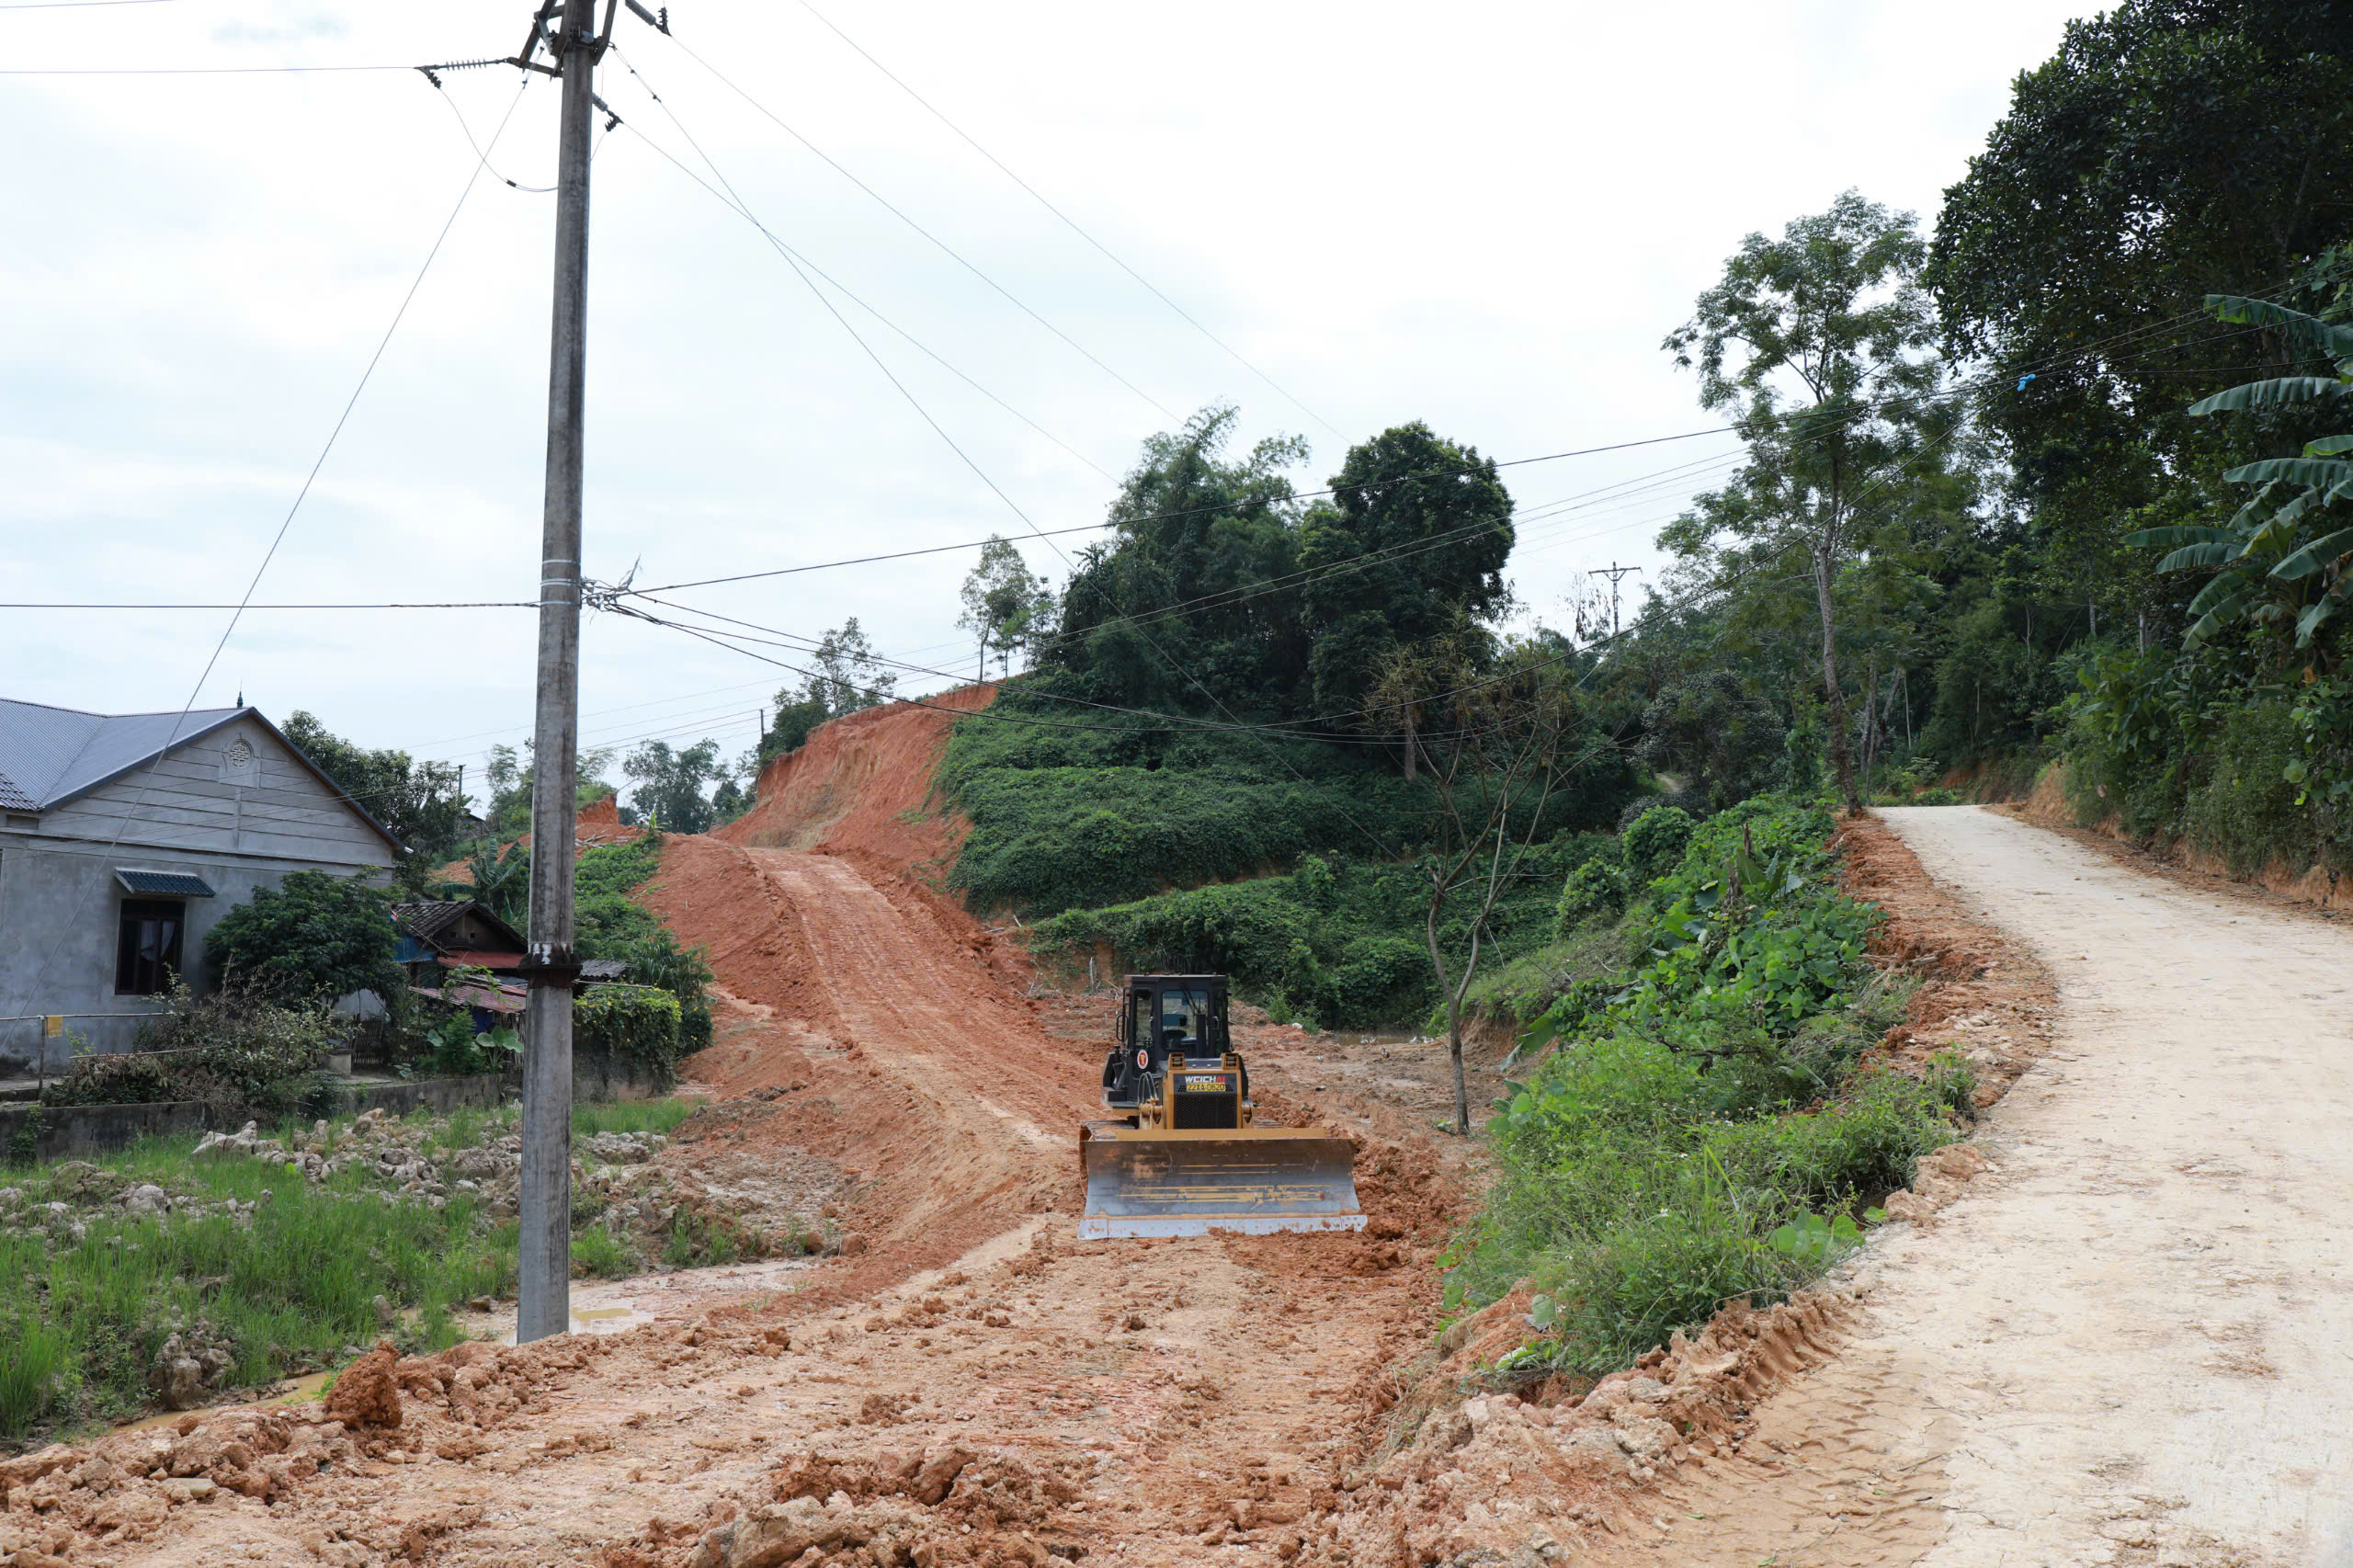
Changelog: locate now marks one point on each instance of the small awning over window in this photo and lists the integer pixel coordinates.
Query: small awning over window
(162, 884)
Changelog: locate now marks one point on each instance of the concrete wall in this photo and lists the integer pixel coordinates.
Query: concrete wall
(71, 1132)
(238, 824)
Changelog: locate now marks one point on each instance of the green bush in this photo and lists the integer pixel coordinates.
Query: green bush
(1655, 842)
(114, 1077)
(1063, 819)
(1700, 1113)
(311, 939)
(1338, 942)
(2216, 754)
(636, 1023)
(612, 925)
(1595, 890)
(237, 1050)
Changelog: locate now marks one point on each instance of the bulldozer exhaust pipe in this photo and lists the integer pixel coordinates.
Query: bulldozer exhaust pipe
(1187, 1182)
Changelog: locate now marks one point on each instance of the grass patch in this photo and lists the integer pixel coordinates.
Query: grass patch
(281, 1288)
(597, 1253)
(661, 1116)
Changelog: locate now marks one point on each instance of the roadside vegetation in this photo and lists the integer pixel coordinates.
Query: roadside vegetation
(178, 1271)
(1698, 1123)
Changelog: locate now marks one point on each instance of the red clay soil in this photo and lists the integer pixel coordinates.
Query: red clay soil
(861, 784)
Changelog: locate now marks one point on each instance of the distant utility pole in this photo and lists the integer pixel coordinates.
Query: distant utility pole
(544, 1252)
(1613, 572)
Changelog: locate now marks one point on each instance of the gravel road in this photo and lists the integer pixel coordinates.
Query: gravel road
(2134, 1342)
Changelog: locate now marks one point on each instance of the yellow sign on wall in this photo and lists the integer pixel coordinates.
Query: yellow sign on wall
(53, 1025)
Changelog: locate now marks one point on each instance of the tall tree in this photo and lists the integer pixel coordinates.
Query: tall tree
(845, 675)
(1191, 603)
(1003, 604)
(1507, 736)
(2170, 149)
(1820, 345)
(1409, 550)
(671, 784)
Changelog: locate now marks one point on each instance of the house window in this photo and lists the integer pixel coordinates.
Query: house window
(147, 949)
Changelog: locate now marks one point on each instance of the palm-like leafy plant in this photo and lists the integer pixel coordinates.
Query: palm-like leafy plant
(2279, 559)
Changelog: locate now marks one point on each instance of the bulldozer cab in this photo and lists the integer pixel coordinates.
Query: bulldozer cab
(1168, 1021)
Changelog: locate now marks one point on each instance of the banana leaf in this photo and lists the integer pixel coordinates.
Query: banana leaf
(2310, 558)
(2189, 533)
(2190, 557)
(2318, 473)
(2336, 342)
(2328, 446)
(2278, 393)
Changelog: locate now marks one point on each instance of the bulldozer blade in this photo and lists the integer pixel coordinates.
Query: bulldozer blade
(1188, 1182)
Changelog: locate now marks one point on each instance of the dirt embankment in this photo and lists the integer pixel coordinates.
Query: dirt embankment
(861, 786)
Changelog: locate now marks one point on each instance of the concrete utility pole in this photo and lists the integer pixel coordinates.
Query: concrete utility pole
(544, 1252)
(1613, 572)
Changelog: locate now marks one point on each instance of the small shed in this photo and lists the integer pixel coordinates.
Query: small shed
(440, 932)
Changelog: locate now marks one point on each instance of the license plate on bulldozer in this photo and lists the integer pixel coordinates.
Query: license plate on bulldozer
(1209, 1085)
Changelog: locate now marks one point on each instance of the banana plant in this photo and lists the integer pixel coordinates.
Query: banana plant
(2274, 560)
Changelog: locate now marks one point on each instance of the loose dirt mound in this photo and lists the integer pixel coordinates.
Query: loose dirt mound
(858, 785)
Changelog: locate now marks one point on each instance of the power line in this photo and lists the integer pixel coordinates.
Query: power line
(734, 203)
(1068, 222)
(460, 604)
(896, 211)
(193, 70)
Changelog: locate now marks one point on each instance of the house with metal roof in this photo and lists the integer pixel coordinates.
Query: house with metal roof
(124, 837)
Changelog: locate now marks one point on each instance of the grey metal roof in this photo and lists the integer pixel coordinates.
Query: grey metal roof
(162, 884)
(48, 755)
(14, 799)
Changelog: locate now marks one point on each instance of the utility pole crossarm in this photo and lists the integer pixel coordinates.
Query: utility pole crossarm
(1613, 572)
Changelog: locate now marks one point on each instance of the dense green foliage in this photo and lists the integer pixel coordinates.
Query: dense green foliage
(1064, 818)
(1695, 1103)
(313, 937)
(2170, 150)
(671, 784)
(609, 924)
(1223, 594)
(636, 1023)
(1337, 942)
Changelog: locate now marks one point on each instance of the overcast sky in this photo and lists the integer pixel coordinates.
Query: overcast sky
(1484, 216)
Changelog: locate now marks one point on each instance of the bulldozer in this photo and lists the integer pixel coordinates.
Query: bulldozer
(1182, 1155)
